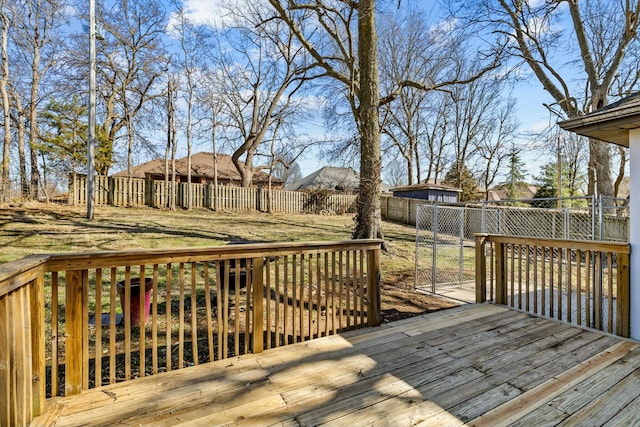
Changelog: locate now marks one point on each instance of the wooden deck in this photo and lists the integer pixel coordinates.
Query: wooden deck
(475, 364)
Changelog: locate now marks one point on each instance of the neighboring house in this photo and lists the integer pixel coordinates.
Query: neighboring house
(524, 191)
(427, 191)
(201, 171)
(340, 180)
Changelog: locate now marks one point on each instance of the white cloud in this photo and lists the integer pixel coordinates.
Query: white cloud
(203, 12)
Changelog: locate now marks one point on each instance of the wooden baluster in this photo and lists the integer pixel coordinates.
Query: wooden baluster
(560, 257)
(154, 321)
(333, 293)
(587, 300)
(168, 309)
(269, 312)
(610, 292)
(597, 288)
(225, 311)
(579, 286)
(543, 288)
(301, 300)
(6, 324)
(194, 318)
(278, 308)
(207, 302)
(112, 326)
(481, 268)
(535, 278)
(55, 340)
(285, 297)
(623, 307)
(326, 293)
(258, 305)
(569, 280)
(340, 292)
(181, 317)
(248, 308)
(127, 322)
(142, 301)
(221, 293)
(73, 331)
(98, 322)
(294, 299)
(236, 319)
(374, 317)
(501, 273)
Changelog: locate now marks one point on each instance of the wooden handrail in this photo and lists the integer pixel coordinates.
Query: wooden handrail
(299, 284)
(579, 281)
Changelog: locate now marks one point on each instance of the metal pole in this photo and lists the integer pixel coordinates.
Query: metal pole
(435, 248)
(92, 109)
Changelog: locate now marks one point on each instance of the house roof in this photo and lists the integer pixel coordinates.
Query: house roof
(427, 186)
(501, 192)
(329, 177)
(610, 123)
(201, 166)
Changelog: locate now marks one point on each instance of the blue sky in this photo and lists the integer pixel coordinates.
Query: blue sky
(529, 95)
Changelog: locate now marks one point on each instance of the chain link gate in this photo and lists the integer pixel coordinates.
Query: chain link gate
(443, 254)
(445, 235)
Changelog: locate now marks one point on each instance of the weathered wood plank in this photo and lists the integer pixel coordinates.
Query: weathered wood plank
(526, 403)
(73, 332)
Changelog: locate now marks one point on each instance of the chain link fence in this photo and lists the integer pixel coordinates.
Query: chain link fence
(445, 234)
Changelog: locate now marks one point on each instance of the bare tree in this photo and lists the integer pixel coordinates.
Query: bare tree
(6, 107)
(342, 39)
(192, 40)
(591, 51)
(131, 58)
(34, 39)
(260, 74)
(493, 148)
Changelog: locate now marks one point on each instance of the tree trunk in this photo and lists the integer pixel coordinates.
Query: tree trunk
(369, 217)
(33, 123)
(6, 108)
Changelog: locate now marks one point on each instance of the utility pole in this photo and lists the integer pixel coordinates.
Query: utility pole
(92, 109)
(559, 176)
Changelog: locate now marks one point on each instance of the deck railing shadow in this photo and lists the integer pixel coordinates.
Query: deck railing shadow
(64, 327)
(582, 282)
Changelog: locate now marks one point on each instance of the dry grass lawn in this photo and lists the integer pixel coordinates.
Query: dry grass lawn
(40, 228)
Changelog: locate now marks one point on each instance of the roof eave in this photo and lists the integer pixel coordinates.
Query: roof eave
(610, 125)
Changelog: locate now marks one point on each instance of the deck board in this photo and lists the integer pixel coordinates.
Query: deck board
(476, 364)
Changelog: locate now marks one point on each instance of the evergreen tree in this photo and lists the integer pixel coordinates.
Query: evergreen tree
(460, 176)
(516, 176)
(547, 184)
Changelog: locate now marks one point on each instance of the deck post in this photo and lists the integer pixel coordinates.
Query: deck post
(258, 304)
(501, 273)
(38, 373)
(623, 305)
(74, 331)
(634, 234)
(481, 268)
(373, 287)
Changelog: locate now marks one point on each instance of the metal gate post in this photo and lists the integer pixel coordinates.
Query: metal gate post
(461, 262)
(435, 248)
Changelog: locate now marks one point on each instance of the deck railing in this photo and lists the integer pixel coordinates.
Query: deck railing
(64, 327)
(581, 282)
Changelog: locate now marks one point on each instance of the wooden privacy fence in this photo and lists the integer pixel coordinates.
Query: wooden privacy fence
(581, 282)
(123, 191)
(66, 323)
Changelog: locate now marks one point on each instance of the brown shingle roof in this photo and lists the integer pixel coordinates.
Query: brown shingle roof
(201, 166)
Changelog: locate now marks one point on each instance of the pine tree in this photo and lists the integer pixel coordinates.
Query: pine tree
(516, 176)
(460, 176)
